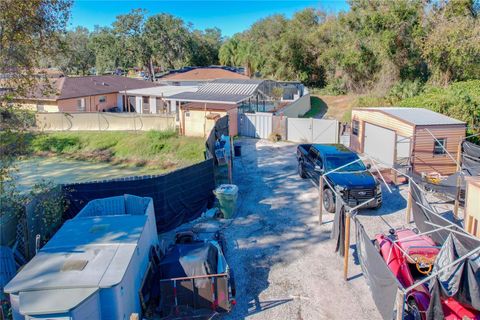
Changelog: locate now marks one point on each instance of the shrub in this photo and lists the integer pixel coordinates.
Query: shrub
(54, 143)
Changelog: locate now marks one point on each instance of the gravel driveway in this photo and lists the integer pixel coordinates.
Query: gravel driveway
(284, 261)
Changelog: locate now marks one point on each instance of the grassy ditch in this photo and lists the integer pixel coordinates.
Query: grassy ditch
(153, 149)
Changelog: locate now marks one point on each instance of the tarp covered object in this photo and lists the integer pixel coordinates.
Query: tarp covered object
(178, 197)
(470, 149)
(188, 260)
(338, 229)
(423, 212)
(461, 281)
(380, 279)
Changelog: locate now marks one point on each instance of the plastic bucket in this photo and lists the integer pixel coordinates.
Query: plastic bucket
(237, 150)
(227, 195)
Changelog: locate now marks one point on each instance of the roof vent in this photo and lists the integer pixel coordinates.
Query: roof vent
(74, 265)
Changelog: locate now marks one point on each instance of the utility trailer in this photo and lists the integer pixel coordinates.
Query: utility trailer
(195, 279)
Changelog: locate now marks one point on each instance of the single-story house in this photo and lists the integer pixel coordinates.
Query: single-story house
(243, 95)
(81, 94)
(416, 138)
(198, 119)
(194, 76)
(155, 99)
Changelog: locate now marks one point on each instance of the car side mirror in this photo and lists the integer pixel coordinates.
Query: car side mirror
(369, 166)
(318, 169)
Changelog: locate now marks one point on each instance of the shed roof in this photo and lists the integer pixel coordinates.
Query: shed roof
(417, 116)
(210, 97)
(90, 252)
(162, 91)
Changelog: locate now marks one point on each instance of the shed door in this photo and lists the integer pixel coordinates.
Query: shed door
(379, 143)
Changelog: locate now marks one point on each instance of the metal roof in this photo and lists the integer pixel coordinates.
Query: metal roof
(210, 97)
(7, 266)
(163, 91)
(417, 116)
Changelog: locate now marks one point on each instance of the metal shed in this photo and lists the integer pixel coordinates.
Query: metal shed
(413, 138)
(93, 267)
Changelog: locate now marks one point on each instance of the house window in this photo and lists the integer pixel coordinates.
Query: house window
(355, 127)
(102, 99)
(187, 114)
(81, 104)
(40, 108)
(145, 99)
(439, 146)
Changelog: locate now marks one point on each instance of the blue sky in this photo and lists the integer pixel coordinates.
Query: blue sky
(230, 16)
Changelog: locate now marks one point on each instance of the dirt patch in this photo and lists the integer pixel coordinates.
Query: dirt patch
(338, 107)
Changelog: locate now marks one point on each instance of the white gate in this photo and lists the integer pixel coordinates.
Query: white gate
(255, 125)
(379, 143)
(309, 130)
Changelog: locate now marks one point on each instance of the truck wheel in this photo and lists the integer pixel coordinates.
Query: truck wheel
(301, 170)
(328, 200)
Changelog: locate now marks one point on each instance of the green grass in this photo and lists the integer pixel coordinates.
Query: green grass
(155, 149)
(318, 106)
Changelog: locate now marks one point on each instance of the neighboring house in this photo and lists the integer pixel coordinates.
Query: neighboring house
(82, 94)
(415, 138)
(156, 99)
(235, 96)
(198, 119)
(193, 76)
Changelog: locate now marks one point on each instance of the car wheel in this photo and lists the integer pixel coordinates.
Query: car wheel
(413, 313)
(328, 200)
(301, 170)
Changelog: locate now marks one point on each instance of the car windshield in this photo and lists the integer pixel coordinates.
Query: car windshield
(333, 162)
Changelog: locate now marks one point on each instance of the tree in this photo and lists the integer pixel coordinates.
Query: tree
(81, 56)
(29, 30)
(107, 49)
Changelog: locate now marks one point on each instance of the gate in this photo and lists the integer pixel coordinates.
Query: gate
(255, 125)
(309, 130)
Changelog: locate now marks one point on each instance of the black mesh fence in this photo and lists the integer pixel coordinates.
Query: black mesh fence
(178, 197)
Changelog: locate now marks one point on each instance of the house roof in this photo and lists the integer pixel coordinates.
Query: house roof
(208, 106)
(417, 116)
(230, 91)
(204, 74)
(93, 85)
(162, 91)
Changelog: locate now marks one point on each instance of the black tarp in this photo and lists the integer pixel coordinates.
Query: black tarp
(423, 212)
(338, 229)
(178, 197)
(380, 279)
(461, 281)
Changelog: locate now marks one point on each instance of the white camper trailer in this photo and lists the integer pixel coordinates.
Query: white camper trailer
(93, 267)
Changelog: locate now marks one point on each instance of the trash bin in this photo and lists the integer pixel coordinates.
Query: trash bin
(227, 195)
(237, 150)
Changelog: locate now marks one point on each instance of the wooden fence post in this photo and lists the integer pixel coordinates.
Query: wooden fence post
(320, 197)
(347, 245)
(409, 202)
(458, 189)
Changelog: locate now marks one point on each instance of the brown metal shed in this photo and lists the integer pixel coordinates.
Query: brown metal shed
(413, 138)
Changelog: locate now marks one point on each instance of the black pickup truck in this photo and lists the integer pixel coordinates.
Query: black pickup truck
(354, 182)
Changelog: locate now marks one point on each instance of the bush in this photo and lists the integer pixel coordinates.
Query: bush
(460, 100)
(335, 87)
(404, 90)
(54, 143)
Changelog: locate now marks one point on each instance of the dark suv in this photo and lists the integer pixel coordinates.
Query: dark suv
(354, 182)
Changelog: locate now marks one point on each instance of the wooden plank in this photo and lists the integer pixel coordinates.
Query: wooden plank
(347, 246)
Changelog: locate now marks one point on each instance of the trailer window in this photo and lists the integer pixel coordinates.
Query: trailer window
(439, 146)
(355, 126)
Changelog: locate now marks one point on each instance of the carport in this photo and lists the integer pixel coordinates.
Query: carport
(414, 139)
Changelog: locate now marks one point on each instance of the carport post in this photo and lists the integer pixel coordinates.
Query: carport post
(409, 202)
(320, 199)
(347, 245)
(458, 189)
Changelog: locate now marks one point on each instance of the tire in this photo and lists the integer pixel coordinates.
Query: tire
(301, 170)
(413, 313)
(329, 200)
(378, 206)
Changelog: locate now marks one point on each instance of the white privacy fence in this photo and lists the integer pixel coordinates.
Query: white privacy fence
(302, 130)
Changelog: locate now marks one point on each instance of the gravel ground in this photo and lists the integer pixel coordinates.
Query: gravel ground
(284, 261)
